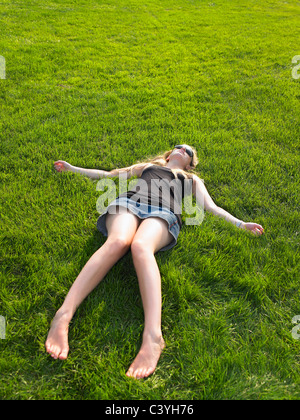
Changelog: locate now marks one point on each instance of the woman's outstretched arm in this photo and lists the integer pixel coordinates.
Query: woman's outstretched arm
(134, 170)
(62, 166)
(203, 197)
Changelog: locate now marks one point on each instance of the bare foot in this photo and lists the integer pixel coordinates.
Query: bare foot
(57, 341)
(146, 360)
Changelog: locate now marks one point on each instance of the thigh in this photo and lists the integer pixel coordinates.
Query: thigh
(153, 234)
(122, 225)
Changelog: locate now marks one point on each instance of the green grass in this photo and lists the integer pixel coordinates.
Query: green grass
(103, 84)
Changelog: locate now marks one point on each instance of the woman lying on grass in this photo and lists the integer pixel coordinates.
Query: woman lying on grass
(145, 221)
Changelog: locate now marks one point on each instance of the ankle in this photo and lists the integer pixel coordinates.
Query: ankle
(154, 336)
(64, 314)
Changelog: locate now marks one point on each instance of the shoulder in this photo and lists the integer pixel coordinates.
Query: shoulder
(198, 184)
(138, 169)
(197, 180)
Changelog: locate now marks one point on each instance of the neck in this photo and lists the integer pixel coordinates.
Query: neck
(174, 165)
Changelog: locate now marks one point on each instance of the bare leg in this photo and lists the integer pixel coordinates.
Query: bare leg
(151, 236)
(121, 229)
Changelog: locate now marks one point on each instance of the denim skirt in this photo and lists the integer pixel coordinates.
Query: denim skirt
(142, 211)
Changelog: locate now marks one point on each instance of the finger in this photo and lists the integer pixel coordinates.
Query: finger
(58, 166)
(259, 229)
(254, 230)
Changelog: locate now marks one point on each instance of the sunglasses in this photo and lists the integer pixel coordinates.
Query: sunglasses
(188, 150)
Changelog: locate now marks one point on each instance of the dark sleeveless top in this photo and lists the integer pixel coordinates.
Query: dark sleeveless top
(158, 186)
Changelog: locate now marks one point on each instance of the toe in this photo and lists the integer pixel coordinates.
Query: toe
(47, 345)
(63, 355)
(50, 349)
(139, 373)
(143, 373)
(149, 372)
(54, 352)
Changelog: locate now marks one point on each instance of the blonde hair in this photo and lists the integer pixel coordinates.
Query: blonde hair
(161, 160)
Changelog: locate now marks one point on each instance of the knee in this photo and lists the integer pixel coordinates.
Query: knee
(118, 245)
(140, 248)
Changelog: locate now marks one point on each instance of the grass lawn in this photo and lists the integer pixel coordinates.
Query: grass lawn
(103, 84)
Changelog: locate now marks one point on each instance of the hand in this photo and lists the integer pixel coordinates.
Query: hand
(61, 166)
(254, 228)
